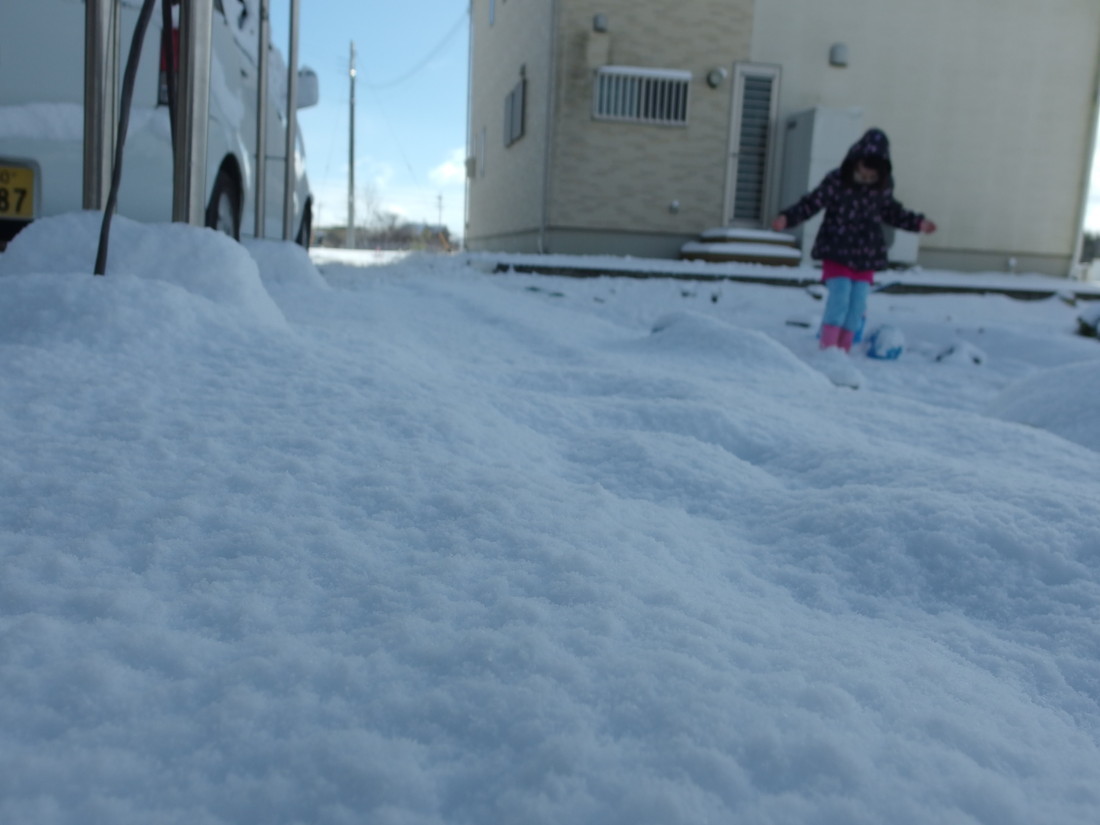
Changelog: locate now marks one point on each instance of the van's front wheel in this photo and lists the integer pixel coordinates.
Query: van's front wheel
(224, 210)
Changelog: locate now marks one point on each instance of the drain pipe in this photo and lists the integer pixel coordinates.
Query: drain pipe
(551, 91)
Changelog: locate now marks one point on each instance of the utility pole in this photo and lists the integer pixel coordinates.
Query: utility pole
(351, 153)
(440, 199)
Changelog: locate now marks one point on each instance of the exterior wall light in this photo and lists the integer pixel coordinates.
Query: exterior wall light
(715, 77)
(838, 55)
(599, 23)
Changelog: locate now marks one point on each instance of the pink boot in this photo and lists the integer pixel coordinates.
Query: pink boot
(844, 339)
(830, 336)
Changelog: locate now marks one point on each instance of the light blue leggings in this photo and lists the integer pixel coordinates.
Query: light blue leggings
(846, 304)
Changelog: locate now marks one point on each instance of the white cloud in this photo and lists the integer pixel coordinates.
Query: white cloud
(452, 171)
(395, 208)
(378, 192)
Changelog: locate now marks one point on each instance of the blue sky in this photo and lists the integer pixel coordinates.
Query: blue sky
(410, 102)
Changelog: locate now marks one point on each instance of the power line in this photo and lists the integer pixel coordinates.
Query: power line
(425, 61)
(393, 134)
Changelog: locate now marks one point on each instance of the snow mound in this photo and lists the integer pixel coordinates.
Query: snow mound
(447, 551)
(202, 262)
(962, 352)
(1062, 400)
(121, 312)
(284, 263)
(837, 366)
(741, 352)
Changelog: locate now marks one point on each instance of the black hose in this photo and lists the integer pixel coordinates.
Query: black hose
(123, 124)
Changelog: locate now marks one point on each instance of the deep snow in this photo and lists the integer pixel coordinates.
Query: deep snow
(420, 544)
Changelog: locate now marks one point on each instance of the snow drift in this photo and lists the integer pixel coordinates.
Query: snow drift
(427, 545)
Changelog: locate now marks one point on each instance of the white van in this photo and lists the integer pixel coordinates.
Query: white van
(42, 121)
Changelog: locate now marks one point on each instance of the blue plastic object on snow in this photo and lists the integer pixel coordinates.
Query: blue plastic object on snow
(886, 343)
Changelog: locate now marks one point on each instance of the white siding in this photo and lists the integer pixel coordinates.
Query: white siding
(506, 192)
(987, 104)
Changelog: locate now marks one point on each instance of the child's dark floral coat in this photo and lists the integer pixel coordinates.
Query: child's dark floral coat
(851, 232)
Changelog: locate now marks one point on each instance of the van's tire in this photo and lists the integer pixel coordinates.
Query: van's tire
(305, 228)
(223, 212)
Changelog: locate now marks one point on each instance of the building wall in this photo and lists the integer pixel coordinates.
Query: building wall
(613, 177)
(505, 195)
(988, 104)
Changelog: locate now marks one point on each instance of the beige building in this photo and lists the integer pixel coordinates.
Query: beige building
(631, 126)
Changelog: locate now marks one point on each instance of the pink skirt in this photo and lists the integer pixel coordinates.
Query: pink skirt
(831, 269)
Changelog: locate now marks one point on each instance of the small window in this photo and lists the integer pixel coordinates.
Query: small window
(515, 105)
(629, 93)
(492, 12)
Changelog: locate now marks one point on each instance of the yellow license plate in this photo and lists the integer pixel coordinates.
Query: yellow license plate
(16, 192)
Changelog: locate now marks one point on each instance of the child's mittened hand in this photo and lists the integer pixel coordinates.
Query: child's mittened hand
(780, 223)
(927, 226)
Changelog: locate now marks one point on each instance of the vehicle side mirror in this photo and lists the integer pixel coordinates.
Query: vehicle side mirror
(309, 90)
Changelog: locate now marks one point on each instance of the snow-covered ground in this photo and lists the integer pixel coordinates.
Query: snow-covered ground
(415, 543)
(356, 257)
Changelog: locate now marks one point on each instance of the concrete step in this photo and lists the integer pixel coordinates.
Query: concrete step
(759, 246)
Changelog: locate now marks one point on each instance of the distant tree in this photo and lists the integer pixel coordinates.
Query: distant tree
(372, 205)
(388, 231)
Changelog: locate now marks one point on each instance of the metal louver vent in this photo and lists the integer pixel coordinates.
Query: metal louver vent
(641, 95)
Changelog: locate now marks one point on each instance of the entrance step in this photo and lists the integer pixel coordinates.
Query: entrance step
(756, 246)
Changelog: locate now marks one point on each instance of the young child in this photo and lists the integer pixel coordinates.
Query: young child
(857, 198)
